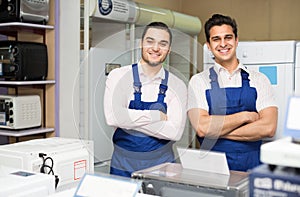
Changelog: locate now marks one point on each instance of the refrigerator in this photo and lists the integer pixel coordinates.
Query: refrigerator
(279, 61)
(99, 131)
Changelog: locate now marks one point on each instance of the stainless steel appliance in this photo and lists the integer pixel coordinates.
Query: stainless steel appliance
(170, 179)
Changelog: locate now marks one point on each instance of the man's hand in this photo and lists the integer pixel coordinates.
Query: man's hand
(250, 116)
(163, 116)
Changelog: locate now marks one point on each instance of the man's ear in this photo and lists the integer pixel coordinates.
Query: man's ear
(141, 43)
(208, 46)
(169, 51)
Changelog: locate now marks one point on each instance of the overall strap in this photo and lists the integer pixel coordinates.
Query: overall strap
(136, 83)
(163, 87)
(218, 99)
(245, 78)
(213, 78)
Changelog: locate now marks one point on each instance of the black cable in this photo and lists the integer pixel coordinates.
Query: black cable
(56, 181)
(45, 166)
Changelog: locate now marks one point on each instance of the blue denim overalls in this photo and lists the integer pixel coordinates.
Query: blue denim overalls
(134, 150)
(240, 155)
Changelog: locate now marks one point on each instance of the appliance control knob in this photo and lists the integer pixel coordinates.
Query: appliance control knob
(12, 68)
(11, 104)
(15, 51)
(11, 112)
(11, 120)
(10, 8)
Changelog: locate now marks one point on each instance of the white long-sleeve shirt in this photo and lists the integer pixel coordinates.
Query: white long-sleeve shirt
(119, 92)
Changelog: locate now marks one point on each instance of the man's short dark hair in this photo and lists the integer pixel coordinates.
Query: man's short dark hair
(158, 25)
(218, 20)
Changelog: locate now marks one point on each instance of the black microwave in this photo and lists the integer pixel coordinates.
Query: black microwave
(21, 60)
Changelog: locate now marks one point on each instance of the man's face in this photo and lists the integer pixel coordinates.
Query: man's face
(223, 43)
(155, 46)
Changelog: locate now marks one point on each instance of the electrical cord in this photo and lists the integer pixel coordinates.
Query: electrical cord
(49, 167)
(45, 166)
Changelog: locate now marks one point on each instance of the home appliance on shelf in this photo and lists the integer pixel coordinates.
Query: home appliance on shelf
(20, 112)
(23, 60)
(34, 11)
(278, 61)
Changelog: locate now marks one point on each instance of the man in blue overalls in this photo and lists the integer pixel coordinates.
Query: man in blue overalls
(231, 107)
(147, 106)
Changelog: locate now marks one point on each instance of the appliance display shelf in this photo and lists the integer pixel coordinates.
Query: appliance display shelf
(19, 83)
(25, 25)
(25, 132)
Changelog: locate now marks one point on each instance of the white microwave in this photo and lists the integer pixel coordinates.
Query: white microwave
(20, 112)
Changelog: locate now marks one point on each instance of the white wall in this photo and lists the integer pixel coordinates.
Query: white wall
(69, 64)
